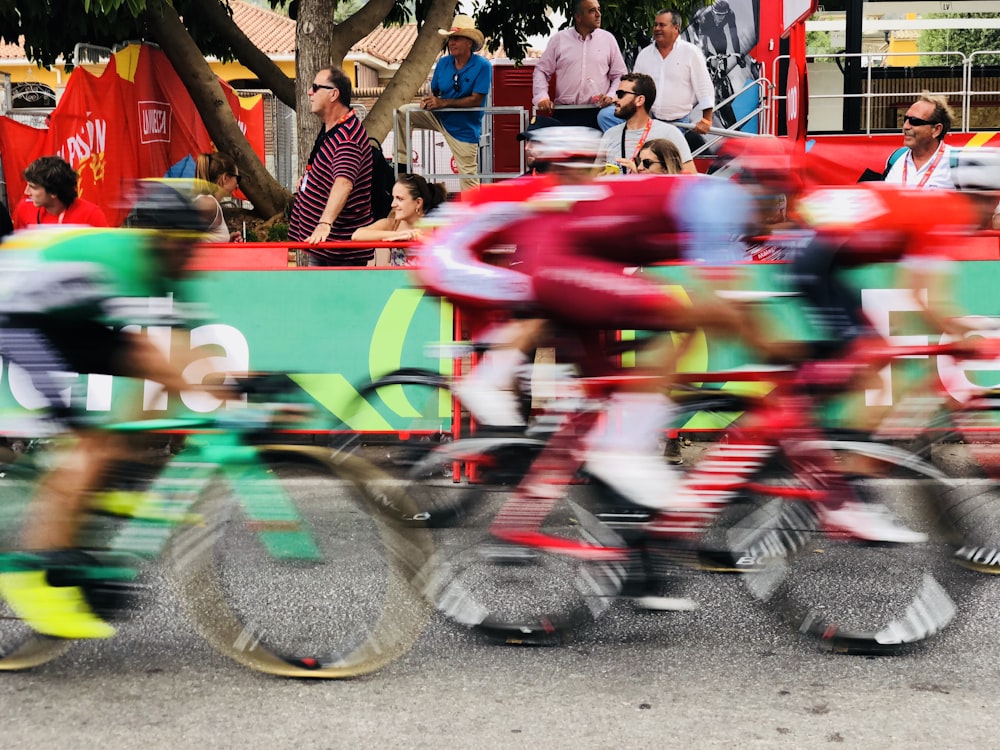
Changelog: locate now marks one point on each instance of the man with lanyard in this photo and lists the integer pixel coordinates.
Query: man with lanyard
(51, 197)
(461, 81)
(680, 73)
(587, 64)
(334, 195)
(634, 97)
(926, 162)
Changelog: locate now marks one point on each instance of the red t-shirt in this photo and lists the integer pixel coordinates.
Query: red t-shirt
(81, 211)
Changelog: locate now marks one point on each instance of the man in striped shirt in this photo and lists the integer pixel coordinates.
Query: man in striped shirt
(334, 195)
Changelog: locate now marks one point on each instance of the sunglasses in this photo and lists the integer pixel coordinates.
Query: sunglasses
(621, 94)
(239, 178)
(317, 86)
(648, 163)
(917, 121)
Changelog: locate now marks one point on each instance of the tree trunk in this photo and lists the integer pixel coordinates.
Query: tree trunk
(267, 195)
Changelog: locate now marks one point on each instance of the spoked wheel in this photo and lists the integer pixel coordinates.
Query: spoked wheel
(326, 591)
(853, 597)
(516, 589)
(415, 404)
(20, 646)
(965, 446)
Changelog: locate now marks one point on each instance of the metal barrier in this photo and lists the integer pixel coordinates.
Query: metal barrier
(870, 97)
(486, 141)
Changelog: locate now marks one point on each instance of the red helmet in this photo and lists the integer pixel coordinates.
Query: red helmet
(761, 160)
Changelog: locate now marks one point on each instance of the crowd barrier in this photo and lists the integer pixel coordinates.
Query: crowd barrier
(339, 328)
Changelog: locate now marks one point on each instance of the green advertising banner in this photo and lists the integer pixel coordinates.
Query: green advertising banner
(337, 330)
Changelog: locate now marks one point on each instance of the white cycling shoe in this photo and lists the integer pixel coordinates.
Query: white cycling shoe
(489, 404)
(871, 522)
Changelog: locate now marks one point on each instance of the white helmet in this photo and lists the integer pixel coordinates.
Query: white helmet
(566, 146)
(976, 168)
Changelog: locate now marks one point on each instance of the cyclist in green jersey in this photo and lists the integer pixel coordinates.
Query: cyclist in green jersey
(65, 295)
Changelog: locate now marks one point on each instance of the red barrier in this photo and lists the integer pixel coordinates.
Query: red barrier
(269, 256)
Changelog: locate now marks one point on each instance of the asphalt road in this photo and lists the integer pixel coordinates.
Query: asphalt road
(726, 675)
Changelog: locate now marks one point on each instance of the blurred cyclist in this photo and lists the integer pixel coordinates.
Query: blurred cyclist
(61, 291)
(873, 222)
(571, 245)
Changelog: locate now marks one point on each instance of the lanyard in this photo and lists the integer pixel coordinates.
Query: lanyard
(642, 138)
(930, 169)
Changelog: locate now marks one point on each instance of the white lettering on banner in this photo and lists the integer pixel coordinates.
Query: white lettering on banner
(154, 122)
(91, 139)
(225, 347)
(879, 305)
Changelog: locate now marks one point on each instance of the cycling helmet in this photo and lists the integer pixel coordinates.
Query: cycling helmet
(976, 168)
(566, 146)
(761, 160)
(165, 204)
(721, 7)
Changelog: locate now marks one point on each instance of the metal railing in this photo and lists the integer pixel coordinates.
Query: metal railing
(487, 142)
(870, 97)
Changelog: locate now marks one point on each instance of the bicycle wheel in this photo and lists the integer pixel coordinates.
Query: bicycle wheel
(415, 406)
(517, 593)
(259, 596)
(20, 646)
(963, 446)
(853, 597)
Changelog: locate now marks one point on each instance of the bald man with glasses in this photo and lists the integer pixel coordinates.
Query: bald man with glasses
(926, 163)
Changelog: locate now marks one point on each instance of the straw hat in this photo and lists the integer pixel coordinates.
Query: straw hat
(463, 25)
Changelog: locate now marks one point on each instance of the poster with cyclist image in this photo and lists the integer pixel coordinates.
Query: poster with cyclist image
(726, 31)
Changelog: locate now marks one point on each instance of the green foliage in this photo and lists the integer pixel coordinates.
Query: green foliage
(277, 232)
(818, 43)
(965, 41)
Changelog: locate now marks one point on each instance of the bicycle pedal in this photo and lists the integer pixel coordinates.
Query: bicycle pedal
(506, 554)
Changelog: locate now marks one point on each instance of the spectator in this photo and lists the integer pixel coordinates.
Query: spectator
(531, 165)
(681, 75)
(926, 162)
(587, 64)
(334, 195)
(621, 145)
(221, 173)
(658, 156)
(52, 197)
(461, 81)
(412, 198)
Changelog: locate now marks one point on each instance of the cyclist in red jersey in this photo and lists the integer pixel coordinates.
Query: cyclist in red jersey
(570, 247)
(872, 223)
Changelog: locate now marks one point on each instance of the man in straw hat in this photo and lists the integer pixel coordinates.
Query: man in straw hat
(461, 81)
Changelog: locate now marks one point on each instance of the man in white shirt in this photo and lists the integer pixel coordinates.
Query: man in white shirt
(636, 93)
(927, 160)
(680, 73)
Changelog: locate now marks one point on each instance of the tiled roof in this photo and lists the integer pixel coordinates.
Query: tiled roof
(390, 44)
(270, 32)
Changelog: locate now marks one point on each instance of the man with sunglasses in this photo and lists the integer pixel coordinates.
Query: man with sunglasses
(459, 87)
(333, 197)
(926, 163)
(621, 144)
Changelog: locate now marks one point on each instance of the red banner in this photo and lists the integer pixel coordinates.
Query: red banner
(134, 120)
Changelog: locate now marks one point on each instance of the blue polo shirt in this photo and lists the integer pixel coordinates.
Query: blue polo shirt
(449, 83)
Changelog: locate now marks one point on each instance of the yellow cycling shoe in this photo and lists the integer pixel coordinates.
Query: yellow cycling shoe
(57, 611)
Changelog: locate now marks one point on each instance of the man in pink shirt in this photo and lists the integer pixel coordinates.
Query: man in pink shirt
(587, 64)
(52, 197)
